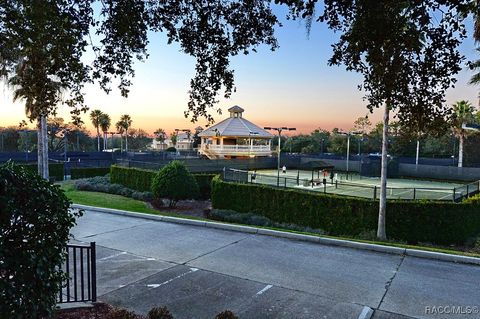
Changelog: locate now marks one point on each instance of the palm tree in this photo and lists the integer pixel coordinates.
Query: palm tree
(95, 116)
(126, 121)
(105, 123)
(462, 114)
(160, 135)
(120, 130)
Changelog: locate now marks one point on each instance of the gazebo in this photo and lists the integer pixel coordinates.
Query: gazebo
(235, 137)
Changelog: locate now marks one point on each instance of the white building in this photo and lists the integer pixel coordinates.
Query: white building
(235, 137)
(184, 143)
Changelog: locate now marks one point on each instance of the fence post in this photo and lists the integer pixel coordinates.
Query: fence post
(94, 270)
(467, 192)
(414, 193)
(454, 199)
(375, 192)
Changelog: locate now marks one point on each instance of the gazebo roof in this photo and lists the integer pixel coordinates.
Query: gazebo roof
(235, 126)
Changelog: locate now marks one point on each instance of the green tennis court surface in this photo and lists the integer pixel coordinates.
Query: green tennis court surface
(360, 186)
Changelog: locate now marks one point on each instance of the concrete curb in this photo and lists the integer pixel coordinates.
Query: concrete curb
(301, 237)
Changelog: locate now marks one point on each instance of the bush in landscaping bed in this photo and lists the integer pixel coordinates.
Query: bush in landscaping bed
(159, 313)
(227, 314)
(35, 221)
(258, 220)
(141, 179)
(175, 183)
(473, 200)
(411, 221)
(102, 184)
(86, 172)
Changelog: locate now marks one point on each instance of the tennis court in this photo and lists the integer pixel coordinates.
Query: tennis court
(356, 185)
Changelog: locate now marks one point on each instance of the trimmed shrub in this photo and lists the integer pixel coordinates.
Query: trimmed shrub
(56, 170)
(122, 314)
(134, 178)
(473, 200)
(175, 183)
(171, 149)
(159, 313)
(102, 184)
(204, 182)
(227, 314)
(141, 179)
(35, 221)
(258, 220)
(411, 221)
(86, 172)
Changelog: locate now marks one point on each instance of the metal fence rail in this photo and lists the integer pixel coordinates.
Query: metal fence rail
(349, 188)
(80, 268)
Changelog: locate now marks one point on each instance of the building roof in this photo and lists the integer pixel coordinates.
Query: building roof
(236, 126)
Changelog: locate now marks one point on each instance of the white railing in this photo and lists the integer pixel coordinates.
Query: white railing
(237, 148)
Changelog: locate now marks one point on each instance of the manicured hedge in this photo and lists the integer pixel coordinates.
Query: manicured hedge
(86, 172)
(56, 170)
(411, 221)
(204, 182)
(141, 179)
(134, 178)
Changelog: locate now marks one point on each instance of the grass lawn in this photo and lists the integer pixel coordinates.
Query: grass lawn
(111, 201)
(124, 203)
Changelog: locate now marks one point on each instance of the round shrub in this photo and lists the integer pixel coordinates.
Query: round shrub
(227, 314)
(171, 149)
(159, 313)
(175, 183)
(35, 223)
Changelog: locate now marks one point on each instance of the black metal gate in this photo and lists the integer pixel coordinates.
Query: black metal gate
(80, 267)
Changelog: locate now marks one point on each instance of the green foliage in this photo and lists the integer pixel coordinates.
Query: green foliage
(134, 178)
(56, 170)
(204, 182)
(141, 180)
(175, 183)
(410, 221)
(122, 314)
(102, 184)
(227, 314)
(35, 222)
(85, 172)
(159, 313)
(473, 199)
(258, 220)
(171, 149)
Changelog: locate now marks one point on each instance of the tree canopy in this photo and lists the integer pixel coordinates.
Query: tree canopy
(42, 44)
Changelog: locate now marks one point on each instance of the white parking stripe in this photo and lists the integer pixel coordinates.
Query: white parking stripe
(264, 289)
(366, 313)
(153, 286)
(112, 256)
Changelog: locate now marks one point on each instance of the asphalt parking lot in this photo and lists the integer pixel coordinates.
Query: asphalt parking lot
(198, 272)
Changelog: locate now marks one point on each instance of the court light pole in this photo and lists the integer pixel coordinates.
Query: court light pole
(348, 135)
(279, 130)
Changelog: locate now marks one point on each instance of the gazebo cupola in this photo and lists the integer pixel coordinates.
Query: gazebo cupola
(236, 111)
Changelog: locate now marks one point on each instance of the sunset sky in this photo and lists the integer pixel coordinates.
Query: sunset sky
(292, 86)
